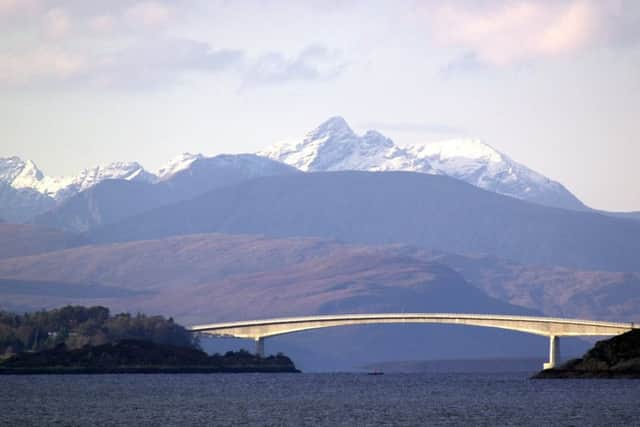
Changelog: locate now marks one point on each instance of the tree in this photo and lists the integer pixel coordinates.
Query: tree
(77, 326)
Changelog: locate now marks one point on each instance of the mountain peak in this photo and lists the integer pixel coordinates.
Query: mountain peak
(178, 163)
(333, 126)
(115, 170)
(334, 146)
(330, 129)
(10, 168)
(335, 122)
(20, 173)
(24, 174)
(29, 173)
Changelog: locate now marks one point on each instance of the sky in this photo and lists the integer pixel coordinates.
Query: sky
(555, 85)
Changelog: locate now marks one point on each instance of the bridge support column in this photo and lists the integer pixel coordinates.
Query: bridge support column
(260, 347)
(554, 352)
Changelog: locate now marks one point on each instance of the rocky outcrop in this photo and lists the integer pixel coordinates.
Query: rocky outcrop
(617, 357)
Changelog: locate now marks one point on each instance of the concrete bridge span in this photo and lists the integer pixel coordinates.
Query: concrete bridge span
(554, 328)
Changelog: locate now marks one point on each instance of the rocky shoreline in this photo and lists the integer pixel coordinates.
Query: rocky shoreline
(617, 357)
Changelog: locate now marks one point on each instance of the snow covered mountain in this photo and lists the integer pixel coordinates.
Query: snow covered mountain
(129, 171)
(334, 146)
(177, 164)
(19, 205)
(187, 176)
(25, 191)
(21, 174)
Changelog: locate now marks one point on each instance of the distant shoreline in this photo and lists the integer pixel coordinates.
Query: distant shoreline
(148, 370)
(140, 357)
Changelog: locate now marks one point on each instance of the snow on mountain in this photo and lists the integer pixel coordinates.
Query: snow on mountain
(177, 164)
(26, 193)
(334, 146)
(25, 175)
(481, 165)
(330, 147)
(10, 168)
(129, 171)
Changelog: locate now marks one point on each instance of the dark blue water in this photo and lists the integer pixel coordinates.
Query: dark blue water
(317, 399)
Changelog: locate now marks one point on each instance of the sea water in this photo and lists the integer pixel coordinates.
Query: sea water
(317, 400)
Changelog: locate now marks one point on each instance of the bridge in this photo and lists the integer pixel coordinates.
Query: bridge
(554, 328)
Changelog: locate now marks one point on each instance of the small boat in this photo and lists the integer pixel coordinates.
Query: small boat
(375, 372)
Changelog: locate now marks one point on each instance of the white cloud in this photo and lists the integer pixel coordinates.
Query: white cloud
(101, 24)
(57, 23)
(13, 8)
(152, 61)
(148, 14)
(503, 33)
(156, 62)
(315, 62)
(146, 64)
(41, 64)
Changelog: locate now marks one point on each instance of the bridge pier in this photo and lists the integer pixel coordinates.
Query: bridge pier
(554, 352)
(260, 347)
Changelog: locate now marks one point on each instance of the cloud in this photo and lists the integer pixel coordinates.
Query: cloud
(503, 33)
(465, 63)
(121, 44)
(14, 8)
(57, 23)
(177, 54)
(20, 69)
(101, 24)
(314, 63)
(162, 62)
(145, 65)
(148, 14)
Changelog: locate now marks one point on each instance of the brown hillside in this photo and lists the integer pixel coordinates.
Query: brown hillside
(26, 239)
(208, 277)
(239, 276)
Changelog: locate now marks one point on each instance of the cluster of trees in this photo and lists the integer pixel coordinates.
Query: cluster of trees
(77, 326)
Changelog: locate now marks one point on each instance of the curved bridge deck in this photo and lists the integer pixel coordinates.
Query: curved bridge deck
(551, 327)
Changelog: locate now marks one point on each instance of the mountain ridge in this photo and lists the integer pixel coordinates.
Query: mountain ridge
(430, 211)
(110, 201)
(331, 146)
(25, 174)
(334, 146)
(26, 192)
